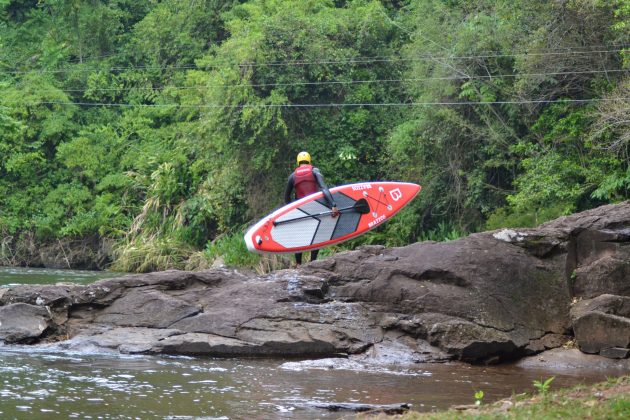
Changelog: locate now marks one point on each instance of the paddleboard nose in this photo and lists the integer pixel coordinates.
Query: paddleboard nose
(249, 242)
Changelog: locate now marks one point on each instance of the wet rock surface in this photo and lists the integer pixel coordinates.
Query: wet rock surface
(573, 359)
(486, 298)
(21, 322)
(602, 325)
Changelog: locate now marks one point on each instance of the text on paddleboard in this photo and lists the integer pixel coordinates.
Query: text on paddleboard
(361, 187)
(376, 221)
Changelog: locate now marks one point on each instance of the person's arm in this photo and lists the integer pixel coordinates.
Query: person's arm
(288, 190)
(322, 186)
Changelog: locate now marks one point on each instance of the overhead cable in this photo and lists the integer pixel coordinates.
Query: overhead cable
(346, 82)
(332, 105)
(358, 60)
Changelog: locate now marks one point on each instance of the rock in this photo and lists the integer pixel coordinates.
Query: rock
(125, 340)
(207, 344)
(469, 341)
(571, 360)
(606, 303)
(22, 322)
(602, 324)
(546, 342)
(150, 308)
(606, 274)
(477, 297)
(389, 409)
(486, 298)
(615, 353)
(596, 331)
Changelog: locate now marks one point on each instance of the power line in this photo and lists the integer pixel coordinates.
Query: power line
(334, 105)
(584, 48)
(422, 58)
(349, 82)
(358, 60)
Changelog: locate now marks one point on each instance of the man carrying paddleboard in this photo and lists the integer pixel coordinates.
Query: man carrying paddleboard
(306, 180)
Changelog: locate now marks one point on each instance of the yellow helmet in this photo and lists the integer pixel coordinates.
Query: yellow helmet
(303, 157)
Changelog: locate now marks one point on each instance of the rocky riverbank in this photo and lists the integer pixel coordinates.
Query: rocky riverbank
(25, 250)
(489, 297)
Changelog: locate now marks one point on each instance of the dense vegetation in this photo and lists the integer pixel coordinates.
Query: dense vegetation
(167, 126)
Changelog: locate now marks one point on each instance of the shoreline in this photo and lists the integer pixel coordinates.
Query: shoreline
(92, 253)
(607, 399)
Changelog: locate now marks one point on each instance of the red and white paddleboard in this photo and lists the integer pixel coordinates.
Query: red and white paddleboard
(307, 224)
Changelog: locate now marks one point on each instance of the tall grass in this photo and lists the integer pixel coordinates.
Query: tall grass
(232, 251)
(441, 233)
(156, 253)
(146, 254)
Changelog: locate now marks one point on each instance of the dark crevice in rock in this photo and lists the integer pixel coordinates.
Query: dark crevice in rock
(436, 276)
(571, 264)
(303, 299)
(490, 327)
(88, 307)
(543, 248)
(439, 277)
(190, 315)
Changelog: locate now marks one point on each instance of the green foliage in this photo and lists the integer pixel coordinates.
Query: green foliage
(479, 397)
(442, 232)
(151, 254)
(205, 104)
(231, 249)
(613, 187)
(505, 217)
(544, 386)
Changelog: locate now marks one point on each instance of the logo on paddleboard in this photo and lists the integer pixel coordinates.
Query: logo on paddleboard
(361, 187)
(376, 221)
(396, 194)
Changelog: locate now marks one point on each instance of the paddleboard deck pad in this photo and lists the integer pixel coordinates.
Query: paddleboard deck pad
(307, 224)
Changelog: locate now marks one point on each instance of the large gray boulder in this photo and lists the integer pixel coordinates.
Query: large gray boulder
(21, 322)
(488, 297)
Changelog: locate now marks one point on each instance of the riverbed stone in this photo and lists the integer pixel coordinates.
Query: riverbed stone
(572, 359)
(207, 344)
(615, 353)
(596, 331)
(486, 298)
(548, 341)
(602, 324)
(608, 274)
(150, 308)
(21, 322)
(127, 340)
(606, 303)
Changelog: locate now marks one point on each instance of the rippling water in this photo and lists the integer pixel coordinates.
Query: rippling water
(50, 382)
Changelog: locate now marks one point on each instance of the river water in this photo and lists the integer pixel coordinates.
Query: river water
(50, 382)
